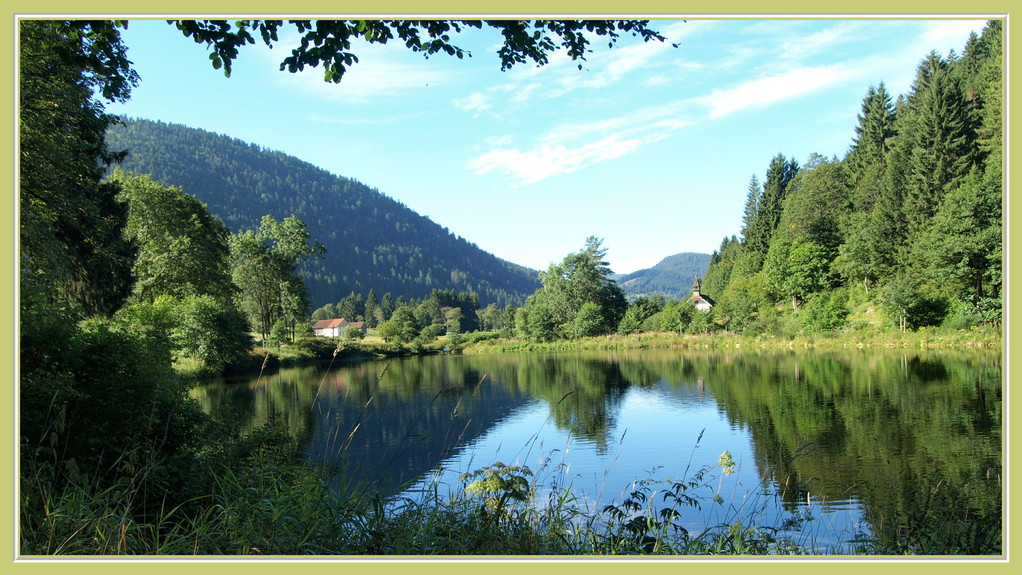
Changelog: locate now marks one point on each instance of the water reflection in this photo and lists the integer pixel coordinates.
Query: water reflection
(891, 434)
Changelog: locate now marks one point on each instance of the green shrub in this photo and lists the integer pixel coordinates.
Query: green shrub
(826, 311)
(432, 331)
(197, 327)
(100, 405)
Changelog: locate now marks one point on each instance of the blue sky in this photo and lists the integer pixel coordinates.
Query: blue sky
(649, 147)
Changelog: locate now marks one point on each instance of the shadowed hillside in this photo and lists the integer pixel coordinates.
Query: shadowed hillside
(372, 241)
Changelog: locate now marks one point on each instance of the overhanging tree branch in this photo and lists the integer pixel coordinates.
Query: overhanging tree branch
(329, 42)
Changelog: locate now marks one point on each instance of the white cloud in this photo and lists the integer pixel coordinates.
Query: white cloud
(568, 148)
(799, 48)
(522, 93)
(498, 141)
(952, 32)
(772, 89)
(544, 160)
(777, 44)
(658, 80)
(367, 81)
(602, 68)
(474, 102)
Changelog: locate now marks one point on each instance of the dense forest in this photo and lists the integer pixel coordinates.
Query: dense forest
(905, 231)
(372, 242)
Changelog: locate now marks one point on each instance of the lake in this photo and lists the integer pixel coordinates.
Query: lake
(859, 443)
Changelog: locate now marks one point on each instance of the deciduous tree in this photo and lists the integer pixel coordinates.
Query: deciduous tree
(182, 250)
(331, 43)
(582, 277)
(70, 220)
(265, 269)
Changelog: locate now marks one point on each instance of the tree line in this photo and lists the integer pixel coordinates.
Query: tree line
(905, 231)
(578, 298)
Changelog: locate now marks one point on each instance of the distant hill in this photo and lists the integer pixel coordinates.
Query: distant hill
(672, 277)
(372, 241)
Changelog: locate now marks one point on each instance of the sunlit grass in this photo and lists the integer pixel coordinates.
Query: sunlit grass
(979, 338)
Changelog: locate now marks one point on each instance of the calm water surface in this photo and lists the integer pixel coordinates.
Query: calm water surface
(851, 441)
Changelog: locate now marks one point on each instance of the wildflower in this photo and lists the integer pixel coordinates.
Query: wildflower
(727, 465)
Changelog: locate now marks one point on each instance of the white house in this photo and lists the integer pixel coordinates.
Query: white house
(702, 302)
(329, 327)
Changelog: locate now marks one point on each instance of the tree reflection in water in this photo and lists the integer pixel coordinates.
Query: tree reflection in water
(893, 434)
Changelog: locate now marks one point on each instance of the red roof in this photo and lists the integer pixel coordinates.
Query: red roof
(328, 323)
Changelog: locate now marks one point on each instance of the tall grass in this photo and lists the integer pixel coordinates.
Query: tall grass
(499, 510)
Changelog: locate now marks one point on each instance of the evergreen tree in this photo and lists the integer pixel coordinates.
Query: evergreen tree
(387, 306)
(873, 132)
(371, 309)
(943, 145)
(982, 70)
(751, 207)
(867, 158)
(769, 208)
(961, 251)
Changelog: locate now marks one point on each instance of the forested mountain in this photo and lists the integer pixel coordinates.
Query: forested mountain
(372, 241)
(672, 277)
(906, 229)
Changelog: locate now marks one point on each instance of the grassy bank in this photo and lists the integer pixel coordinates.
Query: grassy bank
(317, 350)
(314, 350)
(980, 337)
(308, 351)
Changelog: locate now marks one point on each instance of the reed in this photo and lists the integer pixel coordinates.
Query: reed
(498, 510)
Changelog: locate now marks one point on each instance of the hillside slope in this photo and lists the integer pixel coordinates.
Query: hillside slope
(372, 241)
(672, 277)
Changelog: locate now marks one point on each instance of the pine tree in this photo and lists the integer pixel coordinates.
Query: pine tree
(751, 207)
(943, 138)
(770, 204)
(868, 154)
(371, 305)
